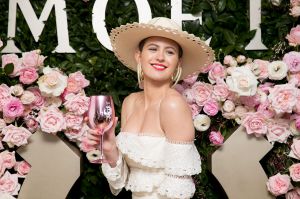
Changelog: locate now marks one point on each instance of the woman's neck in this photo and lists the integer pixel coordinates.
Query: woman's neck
(154, 91)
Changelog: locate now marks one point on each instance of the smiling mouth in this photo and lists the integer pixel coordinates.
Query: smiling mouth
(159, 67)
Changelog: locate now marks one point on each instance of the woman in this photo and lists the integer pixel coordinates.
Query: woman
(154, 155)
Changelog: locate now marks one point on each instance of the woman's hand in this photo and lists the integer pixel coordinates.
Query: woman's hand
(109, 142)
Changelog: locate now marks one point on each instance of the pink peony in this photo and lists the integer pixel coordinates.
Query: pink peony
(28, 75)
(295, 3)
(9, 159)
(217, 71)
(295, 149)
(216, 138)
(255, 123)
(76, 82)
(39, 100)
(278, 130)
(78, 104)
(189, 96)
(250, 101)
(190, 80)
(73, 121)
(195, 109)
(220, 91)
(9, 184)
(31, 123)
(179, 88)
(4, 95)
(31, 59)
(15, 135)
(211, 107)
(262, 67)
(12, 59)
(292, 60)
(51, 120)
(22, 168)
(295, 172)
(279, 184)
(294, 194)
(283, 98)
(202, 92)
(294, 36)
(2, 166)
(13, 108)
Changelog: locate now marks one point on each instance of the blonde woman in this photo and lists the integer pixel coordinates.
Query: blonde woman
(154, 155)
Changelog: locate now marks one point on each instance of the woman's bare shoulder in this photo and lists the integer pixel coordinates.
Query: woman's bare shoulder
(131, 98)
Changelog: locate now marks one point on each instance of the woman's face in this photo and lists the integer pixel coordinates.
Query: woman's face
(159, 58)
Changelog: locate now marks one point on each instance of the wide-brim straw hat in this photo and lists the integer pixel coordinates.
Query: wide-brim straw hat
(126, 38)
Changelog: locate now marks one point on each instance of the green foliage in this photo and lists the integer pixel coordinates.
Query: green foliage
(225, 21)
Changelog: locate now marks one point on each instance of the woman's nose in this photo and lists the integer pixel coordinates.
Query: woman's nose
(160, 55)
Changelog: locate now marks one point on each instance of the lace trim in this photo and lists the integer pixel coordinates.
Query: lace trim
(179, 142)
(177, 187)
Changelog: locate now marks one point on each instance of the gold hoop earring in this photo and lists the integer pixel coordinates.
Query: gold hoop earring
(176, 77)
(140, 75)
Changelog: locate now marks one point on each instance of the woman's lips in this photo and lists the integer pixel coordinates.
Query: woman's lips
(159, 67)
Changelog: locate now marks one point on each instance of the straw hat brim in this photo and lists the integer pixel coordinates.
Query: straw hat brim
(126, 38)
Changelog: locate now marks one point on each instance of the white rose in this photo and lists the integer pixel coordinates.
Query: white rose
(228, 106)
(242, 81)
(241, 59)
(277, 70)
(295, 11)
(52, 83)
(202, 122)
(53, 101)
(276, 2)
(27, 97)
(16, 90)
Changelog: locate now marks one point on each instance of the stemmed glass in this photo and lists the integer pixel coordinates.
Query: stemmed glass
(101, 114)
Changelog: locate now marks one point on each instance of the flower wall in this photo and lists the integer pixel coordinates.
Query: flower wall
(256, 89)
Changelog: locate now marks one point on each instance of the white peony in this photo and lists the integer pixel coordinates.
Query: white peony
(277, 70)
(16, 90)
(242, 81)
(202, 122)
(52, 83)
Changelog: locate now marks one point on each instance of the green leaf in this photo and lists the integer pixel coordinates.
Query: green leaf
(9, 68)
(231, 5)
(221, 5)
(229, 36)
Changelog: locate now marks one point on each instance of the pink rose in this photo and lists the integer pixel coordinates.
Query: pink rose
(229, 60)
(73, 121)
(279, 184)
(295, 3)
(216, 72)
(2, 167)
(295, 148)
(295, 172)
(283, 98)
(9, 159)
(202, 92)
(12, 59)
(211, 107)
(28, 75)
(9, 184)
(15, 135)
(220, 91)
(188, 95)
(216, 138)
(266, 87)
(250, 101)
(190, 80)
(4, 95)
(76, 82)
(22, 168)
(278, 130)
(294, 36)
(13, 108)
(31, 123)
(292, 60)
(78, 104)
(179, 88)
(30, 59)
(39, 100)
(77, 135)
(85, 146)
(195, 109)
(51, 120)
(255, 123)
(262, 68)
(292, 194)
(264, 108)
(207, 68)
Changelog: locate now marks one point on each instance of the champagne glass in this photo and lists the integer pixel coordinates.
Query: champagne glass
(101, 114)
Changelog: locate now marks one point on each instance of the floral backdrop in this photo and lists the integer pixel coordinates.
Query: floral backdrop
(256, 89)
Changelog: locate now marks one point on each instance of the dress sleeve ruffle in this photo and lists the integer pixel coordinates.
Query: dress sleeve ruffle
(182, 160)
(117, 175)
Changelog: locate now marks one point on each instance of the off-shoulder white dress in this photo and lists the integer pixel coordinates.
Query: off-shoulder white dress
(153, 167)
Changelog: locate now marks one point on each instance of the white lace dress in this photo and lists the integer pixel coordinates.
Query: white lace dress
(152, 167)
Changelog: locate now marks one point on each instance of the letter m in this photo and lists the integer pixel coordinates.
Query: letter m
(36, 25)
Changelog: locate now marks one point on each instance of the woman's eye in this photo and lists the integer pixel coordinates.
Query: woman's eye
(152, 49)
(169, 52)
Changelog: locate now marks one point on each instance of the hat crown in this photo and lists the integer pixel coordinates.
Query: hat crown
(164, 22)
